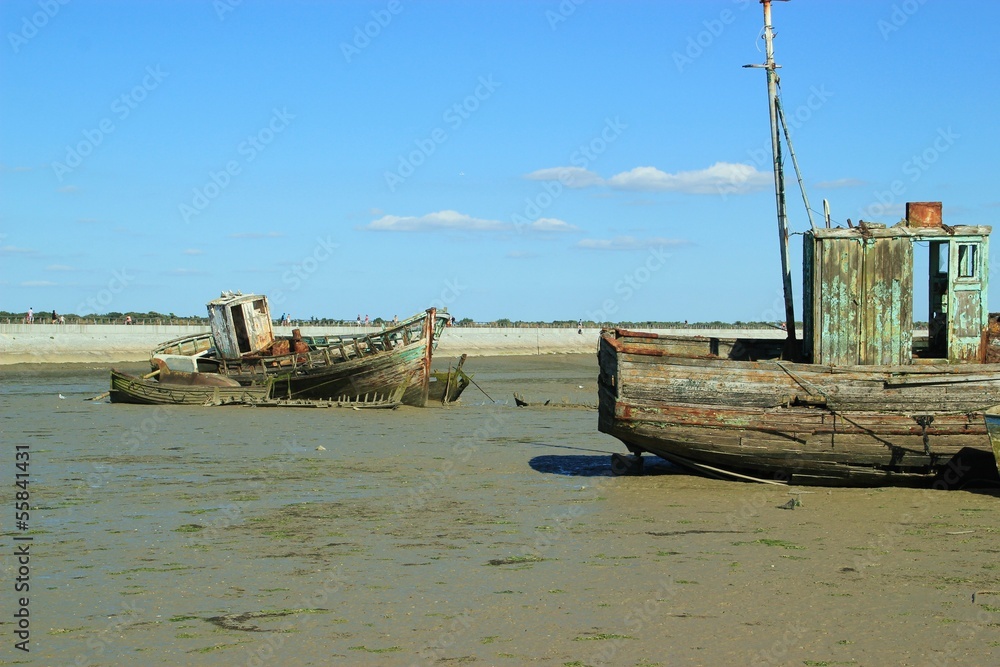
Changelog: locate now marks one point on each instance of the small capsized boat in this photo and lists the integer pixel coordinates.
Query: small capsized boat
(447, 386)
(176, 381)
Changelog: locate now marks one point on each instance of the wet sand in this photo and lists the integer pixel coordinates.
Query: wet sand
(474, 534)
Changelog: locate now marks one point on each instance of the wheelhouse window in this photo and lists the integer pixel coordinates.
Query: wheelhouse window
(968, 260)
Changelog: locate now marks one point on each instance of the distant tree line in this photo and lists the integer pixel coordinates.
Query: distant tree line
(154, 317)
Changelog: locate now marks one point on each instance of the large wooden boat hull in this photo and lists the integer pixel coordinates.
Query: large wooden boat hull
(702, 403)
(348, 380)
(130, 389)
(343, 367)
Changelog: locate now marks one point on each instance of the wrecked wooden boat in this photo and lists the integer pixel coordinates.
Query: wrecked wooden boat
(167, 386)
(331, 368)
(447, 386)
(859, 401)
(367, 402)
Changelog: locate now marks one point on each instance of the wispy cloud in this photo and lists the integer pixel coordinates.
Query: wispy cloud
(729, 177)
(68, 189)
(193, 251)
(5, 168)
(15, 250)
(455, 221)
(840, 183)
(571, 177)
(442, 220)
(59, 267)
(721, 177)
(552, 225)
(38, 283)
(628, 243)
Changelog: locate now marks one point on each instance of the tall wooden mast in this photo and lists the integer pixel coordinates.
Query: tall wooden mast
(779, 177)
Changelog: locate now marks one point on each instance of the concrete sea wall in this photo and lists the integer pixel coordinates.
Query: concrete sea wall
(108, 343)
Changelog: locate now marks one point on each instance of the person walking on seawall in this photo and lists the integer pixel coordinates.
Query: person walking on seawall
(55, 318)
(579, 326)
(30, 317)
(366, 320)
(359, 320)
(128, 319)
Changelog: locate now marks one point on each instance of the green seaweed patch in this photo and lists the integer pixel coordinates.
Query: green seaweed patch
(279, 534)
(771, 543)
(216, 647)
(182, 617)
(169, 567)
(189, 528)
(388, 649)
(242, 623)
(515, 560)
(600, 636)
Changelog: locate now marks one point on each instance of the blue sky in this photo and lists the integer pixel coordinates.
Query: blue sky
(535, 160)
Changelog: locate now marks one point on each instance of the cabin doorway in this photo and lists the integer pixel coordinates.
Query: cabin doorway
(937, 306)
(240, 329)
(956, 282)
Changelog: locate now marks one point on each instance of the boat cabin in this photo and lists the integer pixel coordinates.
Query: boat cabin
(241, 324)
(859, 283)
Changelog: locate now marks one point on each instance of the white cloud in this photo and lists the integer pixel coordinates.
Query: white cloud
(59, 267)
(193, 251)
(551, 225)
(455, 221)
(446, 220)
(627, 243)
(571, 177)
(720, 178)
(38, 283)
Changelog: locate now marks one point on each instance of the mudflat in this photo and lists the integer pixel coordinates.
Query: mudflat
(480, 533)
